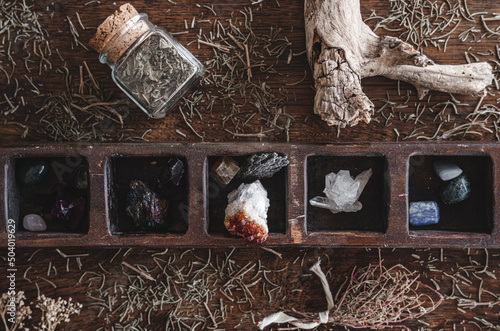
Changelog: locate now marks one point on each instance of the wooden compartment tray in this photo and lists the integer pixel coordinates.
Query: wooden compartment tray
(401, 173)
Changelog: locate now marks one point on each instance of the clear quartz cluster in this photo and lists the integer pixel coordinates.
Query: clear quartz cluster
(342, 191)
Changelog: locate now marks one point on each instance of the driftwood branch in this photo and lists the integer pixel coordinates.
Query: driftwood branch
(342, 50)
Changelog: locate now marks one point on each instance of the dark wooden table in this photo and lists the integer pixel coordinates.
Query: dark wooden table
(48, 272)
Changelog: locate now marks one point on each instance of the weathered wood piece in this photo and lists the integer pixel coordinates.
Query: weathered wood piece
(342, 50)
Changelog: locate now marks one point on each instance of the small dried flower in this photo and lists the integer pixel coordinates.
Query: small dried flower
(14, 311)
(55, 311)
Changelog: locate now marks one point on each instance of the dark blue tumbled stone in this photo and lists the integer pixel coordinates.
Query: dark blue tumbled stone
(456, 190)
(424, 213)
(32, 172)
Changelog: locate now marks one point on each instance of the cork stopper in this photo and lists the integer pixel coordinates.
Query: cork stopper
(118, 32)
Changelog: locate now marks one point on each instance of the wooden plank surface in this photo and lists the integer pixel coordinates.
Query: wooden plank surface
(297, 287)
(299, 290)
(306, 126)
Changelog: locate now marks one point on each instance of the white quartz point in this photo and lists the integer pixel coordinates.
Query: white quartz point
(250, 199)
(33, 222)
(341, 188)
(363, 179)
(342, 191)
(446, 170)
(326, 203)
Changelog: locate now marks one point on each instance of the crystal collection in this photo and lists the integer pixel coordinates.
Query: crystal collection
(65, 206)
(455, 188)
(248, 204)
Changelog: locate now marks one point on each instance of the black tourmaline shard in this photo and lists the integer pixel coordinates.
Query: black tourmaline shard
(171, 176)
(145, 207)
(262, 165)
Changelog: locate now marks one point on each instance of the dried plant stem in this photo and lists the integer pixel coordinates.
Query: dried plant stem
(374, 297)
(142, 273)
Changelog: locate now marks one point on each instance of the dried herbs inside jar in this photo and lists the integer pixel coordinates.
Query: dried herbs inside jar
(154, 72)
(150, 66)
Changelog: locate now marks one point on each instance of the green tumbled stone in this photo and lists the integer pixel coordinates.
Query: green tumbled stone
(456, 190)
(32, 172)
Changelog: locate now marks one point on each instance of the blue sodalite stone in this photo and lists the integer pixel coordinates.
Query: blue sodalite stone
(456, 190)
(32, 172)
(424, 213)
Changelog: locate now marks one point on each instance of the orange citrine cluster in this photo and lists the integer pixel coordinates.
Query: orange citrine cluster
(240, 224)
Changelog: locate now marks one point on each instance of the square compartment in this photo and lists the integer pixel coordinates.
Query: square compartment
(217, 192)
(121, 171)
(474, 214)
(371, 218)
(37, 198)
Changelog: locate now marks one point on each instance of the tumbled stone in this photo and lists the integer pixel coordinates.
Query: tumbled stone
(424, 213)
(145, 207)
(225, 169)
(262, 165)
(446, 170)
(456, 190)
(32, 172)
(82, 177)
(34, 222)
(171, 176)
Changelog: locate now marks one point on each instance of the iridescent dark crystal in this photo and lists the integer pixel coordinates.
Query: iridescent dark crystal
(171, 176)
(66, 205)
(32, 172)
(145, 207)
(262, 165)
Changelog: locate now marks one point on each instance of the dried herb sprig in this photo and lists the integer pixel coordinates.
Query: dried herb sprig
(84, 112)
(182, 287)
(423, 23)
(20, 24)
(239, 71)
(381, 297)
(25, 46)
(372, 297)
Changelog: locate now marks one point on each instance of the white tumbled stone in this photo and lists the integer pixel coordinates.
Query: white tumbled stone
(446, 170)
(33, 222)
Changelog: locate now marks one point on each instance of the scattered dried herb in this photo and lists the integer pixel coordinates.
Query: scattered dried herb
(239, 76)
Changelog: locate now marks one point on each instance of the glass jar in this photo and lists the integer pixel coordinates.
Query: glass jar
(150, 66)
